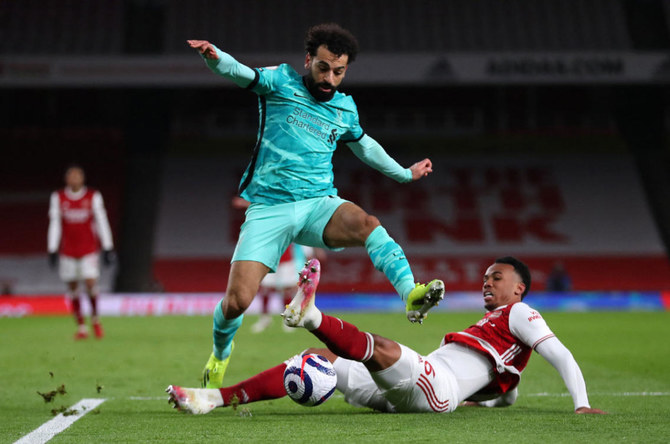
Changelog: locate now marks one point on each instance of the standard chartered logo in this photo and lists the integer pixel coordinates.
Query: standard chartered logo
(312, 124)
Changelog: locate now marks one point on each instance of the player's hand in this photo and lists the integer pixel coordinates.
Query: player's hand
(53, 260)
(205, 48)
(589, 410)
(108, 257)
(421, 169)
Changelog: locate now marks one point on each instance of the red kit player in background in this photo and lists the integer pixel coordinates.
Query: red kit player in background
(78, 228)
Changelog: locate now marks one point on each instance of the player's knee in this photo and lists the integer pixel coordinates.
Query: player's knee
(370, 223)
(386, 351)
(236, 302)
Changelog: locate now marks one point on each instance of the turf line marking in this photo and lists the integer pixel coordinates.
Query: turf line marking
(61, 422)
(562, 395)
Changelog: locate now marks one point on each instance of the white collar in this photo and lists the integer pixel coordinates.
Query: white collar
(74, 195)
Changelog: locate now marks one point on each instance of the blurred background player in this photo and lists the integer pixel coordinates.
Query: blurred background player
(289, 181)
(78, 227)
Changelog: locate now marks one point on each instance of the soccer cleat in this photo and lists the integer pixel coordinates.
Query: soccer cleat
(302, 304)
(97, 329)
(215, 369)
(422, 298)
(193, 400)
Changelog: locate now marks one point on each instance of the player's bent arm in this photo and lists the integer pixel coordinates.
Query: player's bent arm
(372, 153)
(560, 357)
(55, 230)
(226, 66)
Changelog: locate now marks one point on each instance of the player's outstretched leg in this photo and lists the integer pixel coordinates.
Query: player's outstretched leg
(193, 400)
(301, 312)
(422, 298)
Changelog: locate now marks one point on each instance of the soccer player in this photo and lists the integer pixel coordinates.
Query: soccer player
(479, 365)
(78, 225)
(289, 181)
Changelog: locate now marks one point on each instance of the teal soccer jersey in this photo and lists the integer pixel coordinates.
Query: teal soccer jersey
(297, 137)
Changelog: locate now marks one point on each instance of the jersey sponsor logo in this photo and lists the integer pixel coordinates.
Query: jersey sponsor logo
(533, 316)
(76, 215)
(312, 124)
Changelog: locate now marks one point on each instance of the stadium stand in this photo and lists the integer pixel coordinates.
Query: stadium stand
(77, 27)
(208, 141)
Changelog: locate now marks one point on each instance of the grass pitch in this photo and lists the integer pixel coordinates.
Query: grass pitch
(625, 359)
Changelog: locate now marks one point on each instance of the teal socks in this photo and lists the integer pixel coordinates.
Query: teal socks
(223, 331)
(387, 256)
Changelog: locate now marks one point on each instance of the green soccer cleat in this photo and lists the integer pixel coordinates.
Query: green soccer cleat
(212, 375)
(422, 298)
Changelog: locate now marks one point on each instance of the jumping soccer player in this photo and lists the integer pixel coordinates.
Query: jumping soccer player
(480, 365)
(78, 225)
(289, 181)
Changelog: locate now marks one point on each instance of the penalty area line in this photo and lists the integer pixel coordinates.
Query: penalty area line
(61, 422)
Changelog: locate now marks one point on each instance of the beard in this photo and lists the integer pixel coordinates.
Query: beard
(318, 94)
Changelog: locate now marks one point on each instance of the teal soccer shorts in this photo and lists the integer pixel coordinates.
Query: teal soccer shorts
(269, 229)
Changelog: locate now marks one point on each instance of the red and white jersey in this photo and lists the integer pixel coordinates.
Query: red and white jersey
(506, 336)
(78, 223)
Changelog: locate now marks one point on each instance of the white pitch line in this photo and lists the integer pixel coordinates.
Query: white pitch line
(61, 422)
(559, 395)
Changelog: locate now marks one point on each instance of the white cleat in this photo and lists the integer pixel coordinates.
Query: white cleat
(302, 303)
(194, 400)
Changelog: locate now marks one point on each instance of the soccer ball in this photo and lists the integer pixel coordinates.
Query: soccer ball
(309, 379)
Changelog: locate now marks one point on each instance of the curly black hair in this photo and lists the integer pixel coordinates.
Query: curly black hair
(520, 268)
(338, 40)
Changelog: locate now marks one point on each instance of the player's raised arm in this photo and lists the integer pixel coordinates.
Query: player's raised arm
(223, 63)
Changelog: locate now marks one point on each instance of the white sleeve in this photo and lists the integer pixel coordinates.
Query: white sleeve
(560, 357)
(55, 229)
(372, 153)
(101, 222)
(528, 325)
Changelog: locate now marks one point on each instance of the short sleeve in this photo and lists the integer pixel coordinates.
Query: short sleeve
(528, 325)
